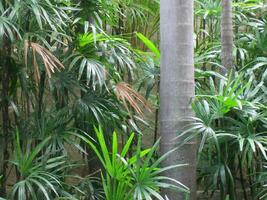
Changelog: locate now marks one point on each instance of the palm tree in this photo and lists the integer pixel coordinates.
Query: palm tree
(177, 89)
(227, 34)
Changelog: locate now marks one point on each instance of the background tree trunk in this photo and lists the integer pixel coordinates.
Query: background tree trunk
(177, 89)
(227, 34)
(4, 156)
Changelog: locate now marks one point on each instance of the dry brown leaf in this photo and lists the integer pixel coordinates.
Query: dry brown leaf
(50, 61)
(131, 97)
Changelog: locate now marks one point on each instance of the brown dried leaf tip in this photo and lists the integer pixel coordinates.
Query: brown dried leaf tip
(51, 63)
(131, 97)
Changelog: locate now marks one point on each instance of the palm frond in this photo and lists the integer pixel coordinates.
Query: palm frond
(50, 62)
(129, 96)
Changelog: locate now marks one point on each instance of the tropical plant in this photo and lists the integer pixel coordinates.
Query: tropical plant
(138, 176)
(60, 76)
(39, 177)
(230, 120)
(90, 188)
(69, 65)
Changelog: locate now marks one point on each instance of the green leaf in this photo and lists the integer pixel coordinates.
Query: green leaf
(127, 145)
(104, 150)
(149, 44)
(114, 148)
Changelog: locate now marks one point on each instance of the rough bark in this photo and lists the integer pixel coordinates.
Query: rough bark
(227, 34)
(177, 90)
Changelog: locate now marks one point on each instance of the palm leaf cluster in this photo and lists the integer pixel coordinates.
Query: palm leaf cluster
(64, 70)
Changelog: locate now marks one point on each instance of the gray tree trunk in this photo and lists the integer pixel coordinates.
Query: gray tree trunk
(177, 89)
(227, 34)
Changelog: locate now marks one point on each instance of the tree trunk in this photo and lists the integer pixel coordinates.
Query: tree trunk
(177, 90)
(5, 122)
(227, 35)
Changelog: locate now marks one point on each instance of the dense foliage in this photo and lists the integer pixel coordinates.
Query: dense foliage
(231, 110)
(69, 66)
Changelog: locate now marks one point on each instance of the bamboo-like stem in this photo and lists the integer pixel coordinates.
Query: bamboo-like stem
(242, 178)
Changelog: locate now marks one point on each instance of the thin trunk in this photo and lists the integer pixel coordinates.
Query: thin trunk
(242, 180)
(120, 27)
(41, 95)
(156, 112)
(204, 39)
(2, 168)
(5, 120)
(177, 90)
(227, 35)
(156, 126)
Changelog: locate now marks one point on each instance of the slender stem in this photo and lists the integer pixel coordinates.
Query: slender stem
(250, 180)
(5, 115)
(156, 125)
(156, 113)
(242, 178)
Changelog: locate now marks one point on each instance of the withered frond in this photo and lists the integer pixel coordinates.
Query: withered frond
(131, 97)
(50, 62)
